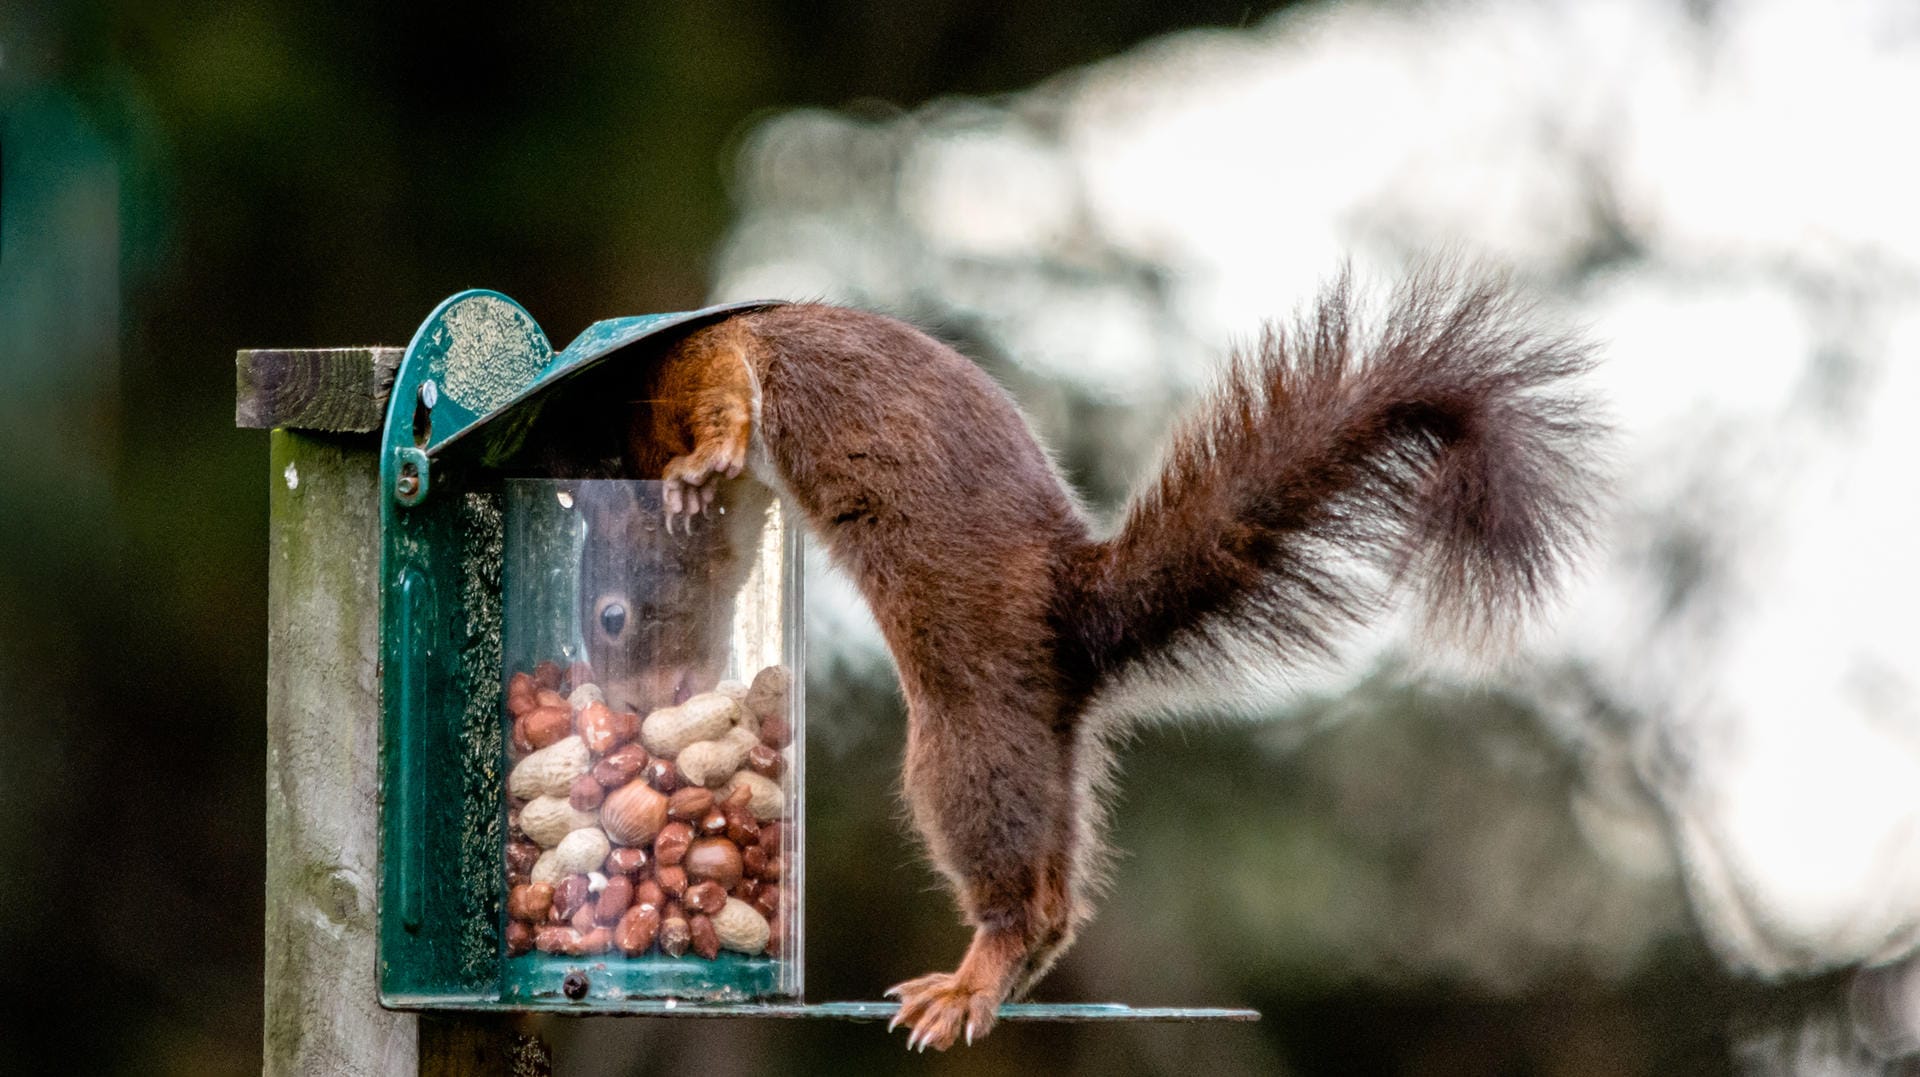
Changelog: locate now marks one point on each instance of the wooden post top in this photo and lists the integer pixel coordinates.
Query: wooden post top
(334, 390)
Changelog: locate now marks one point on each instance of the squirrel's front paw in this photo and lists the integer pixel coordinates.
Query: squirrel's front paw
(692, 482)
(939, 1007)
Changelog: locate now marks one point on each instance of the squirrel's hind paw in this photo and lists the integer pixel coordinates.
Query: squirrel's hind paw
(939, 1008)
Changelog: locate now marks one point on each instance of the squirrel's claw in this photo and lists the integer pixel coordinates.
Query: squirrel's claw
(938, 1007)
(692, 485)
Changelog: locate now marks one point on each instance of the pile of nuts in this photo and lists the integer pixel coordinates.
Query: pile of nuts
(625, 834)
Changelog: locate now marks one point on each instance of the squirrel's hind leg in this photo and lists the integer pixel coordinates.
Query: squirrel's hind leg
(992, 800)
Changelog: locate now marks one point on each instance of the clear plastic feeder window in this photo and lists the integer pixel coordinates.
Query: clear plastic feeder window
(652, 674)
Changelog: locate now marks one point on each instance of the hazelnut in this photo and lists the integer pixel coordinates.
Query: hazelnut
(614, 899)
(636, 930)
(672, 879)
(547, 675)
(714, 858)
(605, 729)
(675, 935)
(556, 939)
(754, 862)
(586, 793)
(546, 725)
(521, 686)
(569, 897)
(620, 765)
(521, 856)
(690, 804)
(706, 941)
(582, 919)
(741, 829)
(662, 775)
(670, 847)
(707, 897)
(519, 938)
(766, 762)
(627, 861)
(597, 941)
(530, 902)
(775, 733)
(633, 813)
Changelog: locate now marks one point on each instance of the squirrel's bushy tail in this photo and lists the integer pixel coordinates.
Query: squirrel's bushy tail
(1445, 451)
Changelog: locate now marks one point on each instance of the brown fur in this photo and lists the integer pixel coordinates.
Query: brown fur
(1443, 449)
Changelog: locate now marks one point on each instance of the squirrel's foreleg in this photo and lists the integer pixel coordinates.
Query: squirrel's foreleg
(702, 415)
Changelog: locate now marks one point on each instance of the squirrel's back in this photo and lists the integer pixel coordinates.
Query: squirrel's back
(877, 423)
(921, 477)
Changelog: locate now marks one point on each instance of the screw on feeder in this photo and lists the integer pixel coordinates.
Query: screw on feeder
(575, 985)
(409, 482)
(429, 393)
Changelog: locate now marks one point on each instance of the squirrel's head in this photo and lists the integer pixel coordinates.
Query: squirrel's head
(656, 605)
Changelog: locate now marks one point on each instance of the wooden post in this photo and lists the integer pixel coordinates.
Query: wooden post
(323, 1014)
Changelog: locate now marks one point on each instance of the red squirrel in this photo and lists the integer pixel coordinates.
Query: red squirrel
(1447, 454)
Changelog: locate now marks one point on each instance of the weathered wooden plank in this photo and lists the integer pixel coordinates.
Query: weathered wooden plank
(323, 1013)
(323, 730)
(340, 390)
